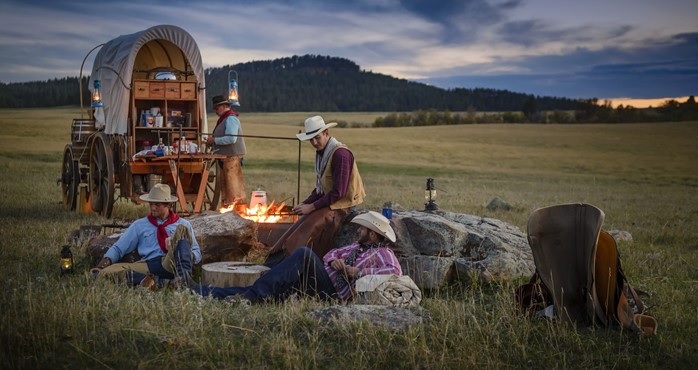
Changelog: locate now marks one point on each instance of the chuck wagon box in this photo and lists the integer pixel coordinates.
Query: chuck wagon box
(158, 70)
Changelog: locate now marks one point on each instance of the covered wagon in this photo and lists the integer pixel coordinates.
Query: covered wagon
(145, 125)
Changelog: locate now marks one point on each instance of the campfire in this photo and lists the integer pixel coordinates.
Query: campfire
(263, 213)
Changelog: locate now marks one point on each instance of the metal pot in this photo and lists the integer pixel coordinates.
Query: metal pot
(258, 197)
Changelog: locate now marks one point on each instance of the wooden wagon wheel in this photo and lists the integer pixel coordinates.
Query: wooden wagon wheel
(213, 188)
(101, 175)
(70, 178)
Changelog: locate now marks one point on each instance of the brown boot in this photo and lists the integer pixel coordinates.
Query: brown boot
(149, 282)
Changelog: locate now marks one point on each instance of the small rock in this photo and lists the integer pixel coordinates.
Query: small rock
(498, 204)
(621, 235)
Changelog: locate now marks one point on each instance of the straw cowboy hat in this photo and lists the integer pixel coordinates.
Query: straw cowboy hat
(313, 126)
(218, 100)
(376, 222)
(160, 193)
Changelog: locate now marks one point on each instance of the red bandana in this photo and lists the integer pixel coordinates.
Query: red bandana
(162, 233)
(225, 115)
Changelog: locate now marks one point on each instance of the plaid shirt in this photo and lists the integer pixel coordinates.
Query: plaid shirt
(373, 261)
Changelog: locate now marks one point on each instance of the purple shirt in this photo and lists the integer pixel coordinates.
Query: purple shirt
(373, 261)
(342, 163)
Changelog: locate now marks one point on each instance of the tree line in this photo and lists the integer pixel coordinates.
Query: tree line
(331, 84)
(588, 111)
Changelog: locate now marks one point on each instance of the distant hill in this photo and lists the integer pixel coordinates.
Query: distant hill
(308, 83)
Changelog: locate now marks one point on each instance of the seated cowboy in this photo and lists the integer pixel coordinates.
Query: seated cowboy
(331, 277)
(338, 189)
(165, 243)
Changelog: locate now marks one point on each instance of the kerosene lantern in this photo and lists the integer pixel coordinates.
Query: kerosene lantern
(430, 196)
(67, 262)
(97, 95)
(233, 89)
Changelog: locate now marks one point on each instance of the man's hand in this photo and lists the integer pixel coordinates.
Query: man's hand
(210, 140)
(338, 265)
(303, 209)
(101, 265)
(349, 271)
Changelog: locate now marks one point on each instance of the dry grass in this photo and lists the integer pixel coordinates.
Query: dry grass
(643, 176)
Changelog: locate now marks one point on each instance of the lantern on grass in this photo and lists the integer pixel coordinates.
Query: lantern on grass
(233, 89)
(97, 95)
(430, 196)
(67, 262)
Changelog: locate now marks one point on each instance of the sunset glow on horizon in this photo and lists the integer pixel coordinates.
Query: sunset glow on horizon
(642, 103)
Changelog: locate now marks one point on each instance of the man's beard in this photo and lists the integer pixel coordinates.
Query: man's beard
(363, 238)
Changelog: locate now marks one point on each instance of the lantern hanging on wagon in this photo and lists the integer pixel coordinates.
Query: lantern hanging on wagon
(233, 89)
(97, 95)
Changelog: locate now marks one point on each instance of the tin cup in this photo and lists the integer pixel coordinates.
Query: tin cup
(388, 213)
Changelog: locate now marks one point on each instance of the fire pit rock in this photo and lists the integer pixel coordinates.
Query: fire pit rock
(224, 236)
(436, 248)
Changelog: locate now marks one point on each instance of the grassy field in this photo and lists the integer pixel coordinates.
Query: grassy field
(644, 177)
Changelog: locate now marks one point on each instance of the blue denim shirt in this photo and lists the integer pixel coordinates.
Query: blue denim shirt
(141, 234)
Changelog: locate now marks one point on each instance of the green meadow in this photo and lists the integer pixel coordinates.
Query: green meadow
(643, 176)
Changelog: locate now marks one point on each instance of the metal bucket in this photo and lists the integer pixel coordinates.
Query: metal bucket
(80, 133)
(153, 180)
(259, 197)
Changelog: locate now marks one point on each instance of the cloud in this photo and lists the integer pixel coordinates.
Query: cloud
(523, 45)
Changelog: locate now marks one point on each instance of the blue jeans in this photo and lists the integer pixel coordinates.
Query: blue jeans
(303, 272)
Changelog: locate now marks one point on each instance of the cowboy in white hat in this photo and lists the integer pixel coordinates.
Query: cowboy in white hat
(331, 277)
(227, 140)
(165, 244)
(338, 188)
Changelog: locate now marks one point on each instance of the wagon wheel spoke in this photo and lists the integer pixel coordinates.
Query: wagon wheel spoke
(70, 179)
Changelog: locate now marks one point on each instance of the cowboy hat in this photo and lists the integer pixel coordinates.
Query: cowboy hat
(160, 193)
(376, 222)
(218, 100)
(313, 126)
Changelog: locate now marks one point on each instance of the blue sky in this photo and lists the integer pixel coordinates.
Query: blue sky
(577, 49)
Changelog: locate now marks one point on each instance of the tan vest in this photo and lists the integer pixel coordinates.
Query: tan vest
(355, 192)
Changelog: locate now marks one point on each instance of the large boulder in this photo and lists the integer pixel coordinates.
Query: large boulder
(224, 236)
(436, 248)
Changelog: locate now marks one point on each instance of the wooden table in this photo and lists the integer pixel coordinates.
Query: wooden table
(199, 163)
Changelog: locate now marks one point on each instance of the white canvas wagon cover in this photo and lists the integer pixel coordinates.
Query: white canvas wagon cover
(158, 47)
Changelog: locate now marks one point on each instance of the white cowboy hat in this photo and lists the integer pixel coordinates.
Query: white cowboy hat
(160, 193)
(376, 222)
(313, 126)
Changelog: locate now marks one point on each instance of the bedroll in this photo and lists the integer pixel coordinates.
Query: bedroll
(579, 277)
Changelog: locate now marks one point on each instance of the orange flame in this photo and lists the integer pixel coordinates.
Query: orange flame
(258, 213)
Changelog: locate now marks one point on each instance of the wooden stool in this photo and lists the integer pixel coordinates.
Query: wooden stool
(231, 273)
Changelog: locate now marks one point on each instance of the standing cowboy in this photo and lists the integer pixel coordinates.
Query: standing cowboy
(227, 140)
